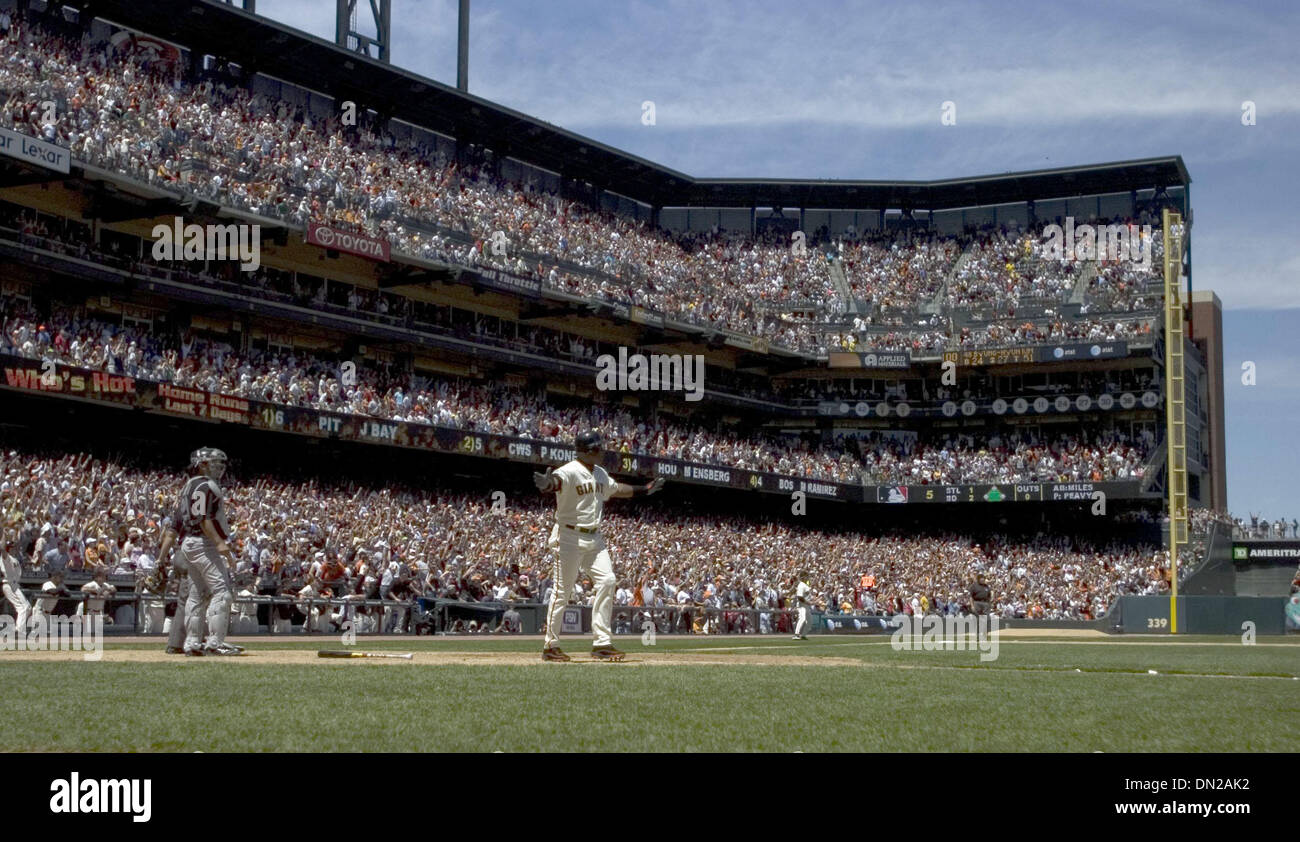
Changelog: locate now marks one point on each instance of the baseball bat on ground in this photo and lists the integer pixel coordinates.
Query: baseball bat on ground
(344, 653)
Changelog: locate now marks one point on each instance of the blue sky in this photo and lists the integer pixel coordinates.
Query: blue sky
(854, 90)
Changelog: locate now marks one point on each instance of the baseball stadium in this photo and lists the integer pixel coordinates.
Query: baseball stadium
(335, 394)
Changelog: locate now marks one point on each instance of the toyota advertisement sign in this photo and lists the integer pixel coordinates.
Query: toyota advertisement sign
(348, 241)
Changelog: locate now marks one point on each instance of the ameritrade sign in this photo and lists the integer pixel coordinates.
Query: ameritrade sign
(34, 151)
(349, 241)
(1280, 552)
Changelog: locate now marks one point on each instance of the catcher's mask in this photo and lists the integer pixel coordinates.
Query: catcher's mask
(210, 460)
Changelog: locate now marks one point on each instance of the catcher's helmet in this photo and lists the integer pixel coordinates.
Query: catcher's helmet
(207, 454)
(590, 440)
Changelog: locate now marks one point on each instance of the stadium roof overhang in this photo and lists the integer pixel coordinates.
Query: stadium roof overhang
(261, 45)
(14, 173)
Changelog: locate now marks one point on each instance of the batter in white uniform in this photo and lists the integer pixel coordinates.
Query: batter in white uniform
(581, 488)
(803, 597)
(10, 571)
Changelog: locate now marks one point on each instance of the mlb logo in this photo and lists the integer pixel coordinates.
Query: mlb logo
(1240, 554)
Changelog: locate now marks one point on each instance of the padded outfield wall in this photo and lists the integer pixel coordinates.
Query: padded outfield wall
(1221, 615)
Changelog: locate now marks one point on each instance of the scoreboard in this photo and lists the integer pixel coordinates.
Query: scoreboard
(991, 356)
(1002, 492)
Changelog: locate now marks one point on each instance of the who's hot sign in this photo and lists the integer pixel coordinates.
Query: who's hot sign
(361, 245)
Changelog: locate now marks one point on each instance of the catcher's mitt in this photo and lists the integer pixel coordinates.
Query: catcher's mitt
(156, 581)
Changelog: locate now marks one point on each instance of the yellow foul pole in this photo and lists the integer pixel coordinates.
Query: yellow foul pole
(1175, 405)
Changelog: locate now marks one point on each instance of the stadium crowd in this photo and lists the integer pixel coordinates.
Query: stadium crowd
(140, 116)
(897, 272)
(135, 112)
(1262, 527)
(74, 513)
(67, 335)
(960, 459)
(967, 387)
(1001, 268)
(303, 381)
(999, 334)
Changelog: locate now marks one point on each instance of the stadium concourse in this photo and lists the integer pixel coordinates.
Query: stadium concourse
(139, 115)
(66, 335)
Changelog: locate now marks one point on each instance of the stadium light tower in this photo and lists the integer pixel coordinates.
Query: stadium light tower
(347, 36)
(462, 48)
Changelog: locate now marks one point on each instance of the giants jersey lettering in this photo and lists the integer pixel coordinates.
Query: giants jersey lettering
(200, 499)
(582, 495)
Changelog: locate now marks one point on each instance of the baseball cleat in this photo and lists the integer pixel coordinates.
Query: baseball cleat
(607, 653)
(223, 649)
(553, 653)
(195, 652)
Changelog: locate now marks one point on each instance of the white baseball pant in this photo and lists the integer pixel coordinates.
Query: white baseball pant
(155, 614)
(44, 607)
(21, 606)
(320, 616)
(576, 553)
(803, 620)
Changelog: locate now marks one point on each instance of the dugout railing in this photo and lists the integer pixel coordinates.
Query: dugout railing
(288, 614)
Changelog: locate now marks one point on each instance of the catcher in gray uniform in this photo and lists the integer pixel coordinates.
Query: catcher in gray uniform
(180, 575)
(201, 525)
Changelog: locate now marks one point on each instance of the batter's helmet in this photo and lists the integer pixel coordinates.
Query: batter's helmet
(590, 440)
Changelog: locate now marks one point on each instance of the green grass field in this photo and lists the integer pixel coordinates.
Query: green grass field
(1210, 694)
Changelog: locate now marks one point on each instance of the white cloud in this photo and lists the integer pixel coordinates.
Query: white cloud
(754, 65)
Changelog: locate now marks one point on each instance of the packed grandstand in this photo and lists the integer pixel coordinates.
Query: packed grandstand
(82, 514)
(141, 115)
(134, 112)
